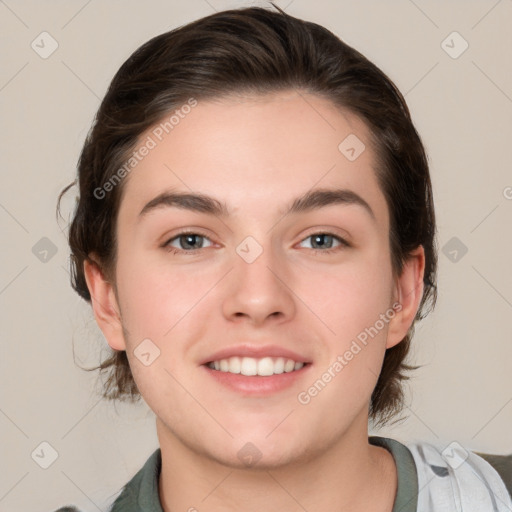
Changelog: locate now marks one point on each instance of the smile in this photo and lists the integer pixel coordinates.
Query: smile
(250, 366)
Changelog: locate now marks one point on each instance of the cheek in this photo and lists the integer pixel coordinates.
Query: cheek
(155, 296)
(350, 303)
(351, 297)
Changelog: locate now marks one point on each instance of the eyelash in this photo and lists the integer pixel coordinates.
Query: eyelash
(174, 250)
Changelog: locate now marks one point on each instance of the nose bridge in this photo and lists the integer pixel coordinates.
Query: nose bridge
(257, 291)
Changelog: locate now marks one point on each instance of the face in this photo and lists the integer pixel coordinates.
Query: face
(247, 236)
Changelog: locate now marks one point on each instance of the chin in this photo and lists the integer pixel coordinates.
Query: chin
(257, 458)
(258, 452)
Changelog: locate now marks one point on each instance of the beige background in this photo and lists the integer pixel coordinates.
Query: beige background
(463, 109)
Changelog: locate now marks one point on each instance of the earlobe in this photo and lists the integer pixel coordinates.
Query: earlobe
(104, 305)
(408, 294)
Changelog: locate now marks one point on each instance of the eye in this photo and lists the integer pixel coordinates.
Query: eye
(325, 242)
(187, 242)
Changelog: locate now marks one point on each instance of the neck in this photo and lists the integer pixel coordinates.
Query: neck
(349, 475)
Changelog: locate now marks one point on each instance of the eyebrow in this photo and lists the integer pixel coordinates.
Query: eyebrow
(311, 200)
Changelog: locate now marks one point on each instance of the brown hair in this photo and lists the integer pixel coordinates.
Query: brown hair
(255, 51)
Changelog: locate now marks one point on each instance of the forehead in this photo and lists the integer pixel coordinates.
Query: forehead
(249, 151)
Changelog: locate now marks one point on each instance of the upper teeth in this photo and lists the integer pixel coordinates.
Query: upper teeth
(250, 366)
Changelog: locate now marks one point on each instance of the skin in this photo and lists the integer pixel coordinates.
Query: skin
(257, 154)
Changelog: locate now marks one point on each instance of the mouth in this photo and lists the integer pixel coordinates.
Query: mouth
(252, 367)
(257, 376)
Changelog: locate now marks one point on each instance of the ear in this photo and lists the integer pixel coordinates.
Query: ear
(104, 305)
(407, 296)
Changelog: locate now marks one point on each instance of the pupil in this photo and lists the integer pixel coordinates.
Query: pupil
(189, 240)
(320, 240)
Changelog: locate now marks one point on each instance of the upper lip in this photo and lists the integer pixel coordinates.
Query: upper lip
(256, 351)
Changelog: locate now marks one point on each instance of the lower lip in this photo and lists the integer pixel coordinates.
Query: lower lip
(257, 385)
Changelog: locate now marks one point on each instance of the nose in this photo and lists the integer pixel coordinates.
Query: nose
(259, 292)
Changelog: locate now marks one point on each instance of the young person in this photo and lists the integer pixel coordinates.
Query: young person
(255, 233)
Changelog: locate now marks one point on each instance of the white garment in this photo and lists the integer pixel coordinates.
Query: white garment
(453, 479)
